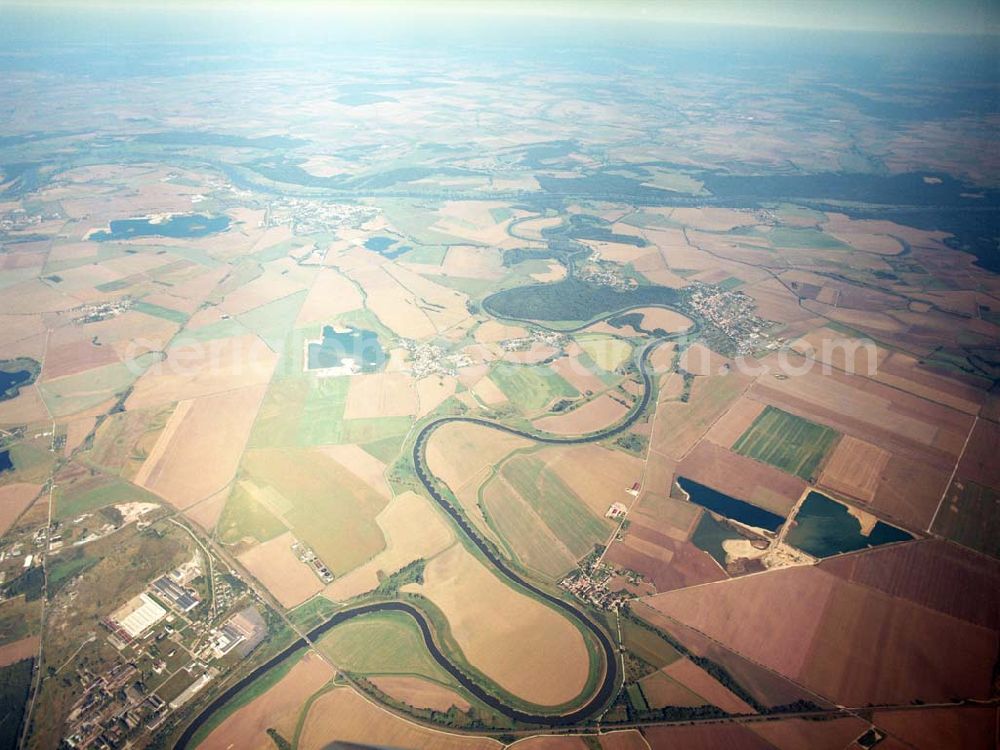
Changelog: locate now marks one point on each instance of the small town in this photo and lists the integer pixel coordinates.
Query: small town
(731, 313)
(314, 217)
(98, 311)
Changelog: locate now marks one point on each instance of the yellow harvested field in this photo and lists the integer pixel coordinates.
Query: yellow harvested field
(578, 375)
(331, 294)
(396, 309)
(698, 359)
(659, 317)
(412, 529)
(698, 681)
(361, 464)
(206, 513)
(381, 394)
(474, 221)
(420, 693)
(458, 452)
(537, 352)
(608, 352)
(492, 331)
(25, 408)
(855, 468)
(603, 411)
(23, 649)
(525, 646)
(489, 392)
(269, 287)
(14, 500)
(471, 262)
(344, 715)
(273, 563)
(444, 306)
(555, 272)
(200, 369)
(198, 451)
(277, 708)
(678, 425)
(712, 219)
(599, 476)
(76, 433)
(432, 391)
(551, 742)
(532, 228)
(734, 422)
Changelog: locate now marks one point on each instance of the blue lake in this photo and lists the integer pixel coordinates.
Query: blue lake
(11, 381)
(824, 527)
(6, 464)
(181, 226)
(730, 507)
(384, 246)
(356, 344)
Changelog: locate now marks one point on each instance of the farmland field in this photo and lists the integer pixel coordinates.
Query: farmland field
(324, 504)
(387, 643)
(531, 388)
(619, 377)
(791, 443)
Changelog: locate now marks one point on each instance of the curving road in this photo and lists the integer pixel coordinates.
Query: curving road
(602, 695)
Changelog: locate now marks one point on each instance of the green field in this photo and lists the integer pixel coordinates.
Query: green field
(531, 388)
(244, 517)
(971, 516)
(607, 352)
(273, 321)
(75, 393)
(790, 443)
(91, 494)
(254, 690)
(558, 507)
(797, 237)
(382, 643)
(647, 645)
(174, 316)
(526, 534)
(327, 506)
(15, 684)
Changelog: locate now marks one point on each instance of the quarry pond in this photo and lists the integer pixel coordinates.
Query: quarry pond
(730, 507)
(824, 527)
(354, 349)
(179, 226)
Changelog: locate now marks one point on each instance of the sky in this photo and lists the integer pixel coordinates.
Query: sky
(981, 17)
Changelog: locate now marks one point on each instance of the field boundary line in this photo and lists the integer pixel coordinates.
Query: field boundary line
(954, 471)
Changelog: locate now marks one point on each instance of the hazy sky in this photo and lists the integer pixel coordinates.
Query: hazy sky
(918, 16)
